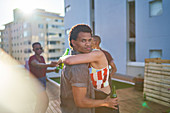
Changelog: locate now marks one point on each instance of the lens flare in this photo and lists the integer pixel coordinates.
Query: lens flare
(18, 89)
(144, 104)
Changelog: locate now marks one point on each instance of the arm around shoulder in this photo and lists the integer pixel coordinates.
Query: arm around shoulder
(41, 65)
(82, 58)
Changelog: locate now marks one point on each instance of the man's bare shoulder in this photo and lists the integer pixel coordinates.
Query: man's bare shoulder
(97, 52)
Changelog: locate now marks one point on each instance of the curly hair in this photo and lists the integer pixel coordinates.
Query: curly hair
(35, 44)
(75, 30)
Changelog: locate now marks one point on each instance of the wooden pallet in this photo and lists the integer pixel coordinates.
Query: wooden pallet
(157, 81)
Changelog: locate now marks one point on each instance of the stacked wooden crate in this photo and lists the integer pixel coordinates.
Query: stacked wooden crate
(157, 81)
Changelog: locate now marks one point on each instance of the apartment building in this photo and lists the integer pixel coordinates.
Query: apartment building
(37, 26)
(131, 30)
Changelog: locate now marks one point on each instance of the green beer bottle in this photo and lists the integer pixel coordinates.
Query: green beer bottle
(114, 95)
(61, 65)
(113, 92)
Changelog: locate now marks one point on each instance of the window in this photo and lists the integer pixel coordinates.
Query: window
(41, 26)
(41, 35)
(48, 34)
(155, 53)
(29, 42)
(58, 20)
(60, 35)
(25, 25)
(58, 50)
(52, 42)
(155, 7)
(21, 36)
(25, 34)
(53, 26)
(51, 51)
(27, 50)
(67, 8)
(61, 27)
(58, 42)
(67, 31)
(48, 26)
(48, 19)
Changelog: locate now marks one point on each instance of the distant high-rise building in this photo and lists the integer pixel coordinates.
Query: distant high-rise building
(38, 26)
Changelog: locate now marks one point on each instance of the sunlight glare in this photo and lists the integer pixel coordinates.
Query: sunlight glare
(18, 88)
(27, 6)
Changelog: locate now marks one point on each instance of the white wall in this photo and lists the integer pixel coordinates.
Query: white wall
(152, 32)
(79, 13)
(110, 21)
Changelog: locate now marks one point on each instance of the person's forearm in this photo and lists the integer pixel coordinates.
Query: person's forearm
(80, 99)
(90, 103)
(42, 65)
(112, 72)
(113, 68)
(82, 58)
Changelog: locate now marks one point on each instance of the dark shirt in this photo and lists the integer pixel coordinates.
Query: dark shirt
(37, 71)
(74, 75)
(108, 56)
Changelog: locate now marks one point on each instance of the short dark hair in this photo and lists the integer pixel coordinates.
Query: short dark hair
(35, 44)
(97, 38)
(75, 30)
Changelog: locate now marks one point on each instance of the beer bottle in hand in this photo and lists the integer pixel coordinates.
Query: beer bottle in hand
(61, 65)
(114, 95)
(113, 92)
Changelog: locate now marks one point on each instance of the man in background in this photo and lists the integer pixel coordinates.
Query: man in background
(38, 68)
(96, 45)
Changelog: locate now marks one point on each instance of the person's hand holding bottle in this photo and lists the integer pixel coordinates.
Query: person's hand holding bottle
(59, 64)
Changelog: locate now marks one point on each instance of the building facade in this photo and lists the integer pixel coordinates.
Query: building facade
(38, 26)
(130, 30)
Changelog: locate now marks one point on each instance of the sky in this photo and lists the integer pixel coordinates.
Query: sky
(7, 6)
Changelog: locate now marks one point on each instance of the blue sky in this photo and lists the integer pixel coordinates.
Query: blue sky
(7, 6)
